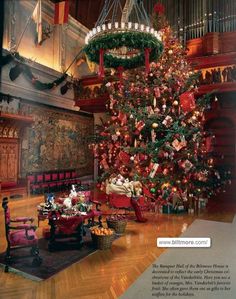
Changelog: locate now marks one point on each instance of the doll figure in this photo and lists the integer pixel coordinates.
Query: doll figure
(73, 192)
(120, 180)
(50, 199)
(67, 203)
(82, 202)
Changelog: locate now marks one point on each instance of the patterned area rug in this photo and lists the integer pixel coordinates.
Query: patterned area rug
(53, 262)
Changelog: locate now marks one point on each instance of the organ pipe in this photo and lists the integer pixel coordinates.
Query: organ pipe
(194, 18)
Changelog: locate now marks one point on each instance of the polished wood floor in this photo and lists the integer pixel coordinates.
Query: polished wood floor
(104, 274)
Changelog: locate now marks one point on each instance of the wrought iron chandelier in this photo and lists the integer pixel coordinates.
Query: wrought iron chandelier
(123, 37)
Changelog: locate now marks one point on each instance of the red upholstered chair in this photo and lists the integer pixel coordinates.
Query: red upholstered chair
(61, 176)
(53, 183)
(30, 180)
(54, 176)
(44, 183)
(21, 235)
(38, 188)
(67, 175)
(39, 178)
(61, 181)
(74, 177)
(67, 181)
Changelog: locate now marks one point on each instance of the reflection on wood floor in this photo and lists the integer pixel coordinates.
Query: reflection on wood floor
(104, 274)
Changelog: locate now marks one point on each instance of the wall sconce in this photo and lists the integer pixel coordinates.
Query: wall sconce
(65, 88)
(15, 71)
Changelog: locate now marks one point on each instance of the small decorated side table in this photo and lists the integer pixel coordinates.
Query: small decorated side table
(67, 222)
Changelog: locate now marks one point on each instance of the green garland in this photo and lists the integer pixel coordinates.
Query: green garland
(135, 40)
(26, 70)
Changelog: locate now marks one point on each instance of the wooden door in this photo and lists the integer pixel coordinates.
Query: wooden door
(9, 159)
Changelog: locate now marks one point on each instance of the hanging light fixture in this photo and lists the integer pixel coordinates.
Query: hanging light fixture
(123, 37)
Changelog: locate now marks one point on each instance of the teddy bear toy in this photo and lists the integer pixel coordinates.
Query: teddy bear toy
(138, 188)
(67, 203)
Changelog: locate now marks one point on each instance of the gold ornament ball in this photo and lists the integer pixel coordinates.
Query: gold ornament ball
(118, 133)
(170, 52)
(175, 103)
(194, 117)
(154, 125)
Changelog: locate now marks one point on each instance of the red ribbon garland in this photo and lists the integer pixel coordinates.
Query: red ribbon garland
(147, 65)
(101, 63)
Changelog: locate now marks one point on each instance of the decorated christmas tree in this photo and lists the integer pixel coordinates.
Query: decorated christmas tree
(156, 131)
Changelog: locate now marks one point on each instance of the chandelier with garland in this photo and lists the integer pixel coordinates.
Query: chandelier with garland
(123, 37)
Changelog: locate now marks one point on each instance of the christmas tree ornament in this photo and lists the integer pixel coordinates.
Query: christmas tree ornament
(167, 121)
(187, 101)
(157, 92)
(153, 190)
(122, 118)
(156, 110)
(153, 170)
(118, 133)
(154, 102)
(165, 171)
(187, 165)
(166, 155)
(153, 135)
(139, 126)
(124, 157)
(155, 125)
(150, 111)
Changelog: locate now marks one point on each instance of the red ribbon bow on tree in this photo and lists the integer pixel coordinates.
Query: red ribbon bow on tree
(159, 8)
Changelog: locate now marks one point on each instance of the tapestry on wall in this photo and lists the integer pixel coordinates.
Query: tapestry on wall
(56, 140)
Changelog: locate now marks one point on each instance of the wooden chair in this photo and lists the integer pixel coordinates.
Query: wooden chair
(20, 236)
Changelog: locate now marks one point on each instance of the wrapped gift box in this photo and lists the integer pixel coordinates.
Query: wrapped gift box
(167, 209)
(180, 209)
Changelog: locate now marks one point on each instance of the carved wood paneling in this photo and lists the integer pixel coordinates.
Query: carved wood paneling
(9, 153)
